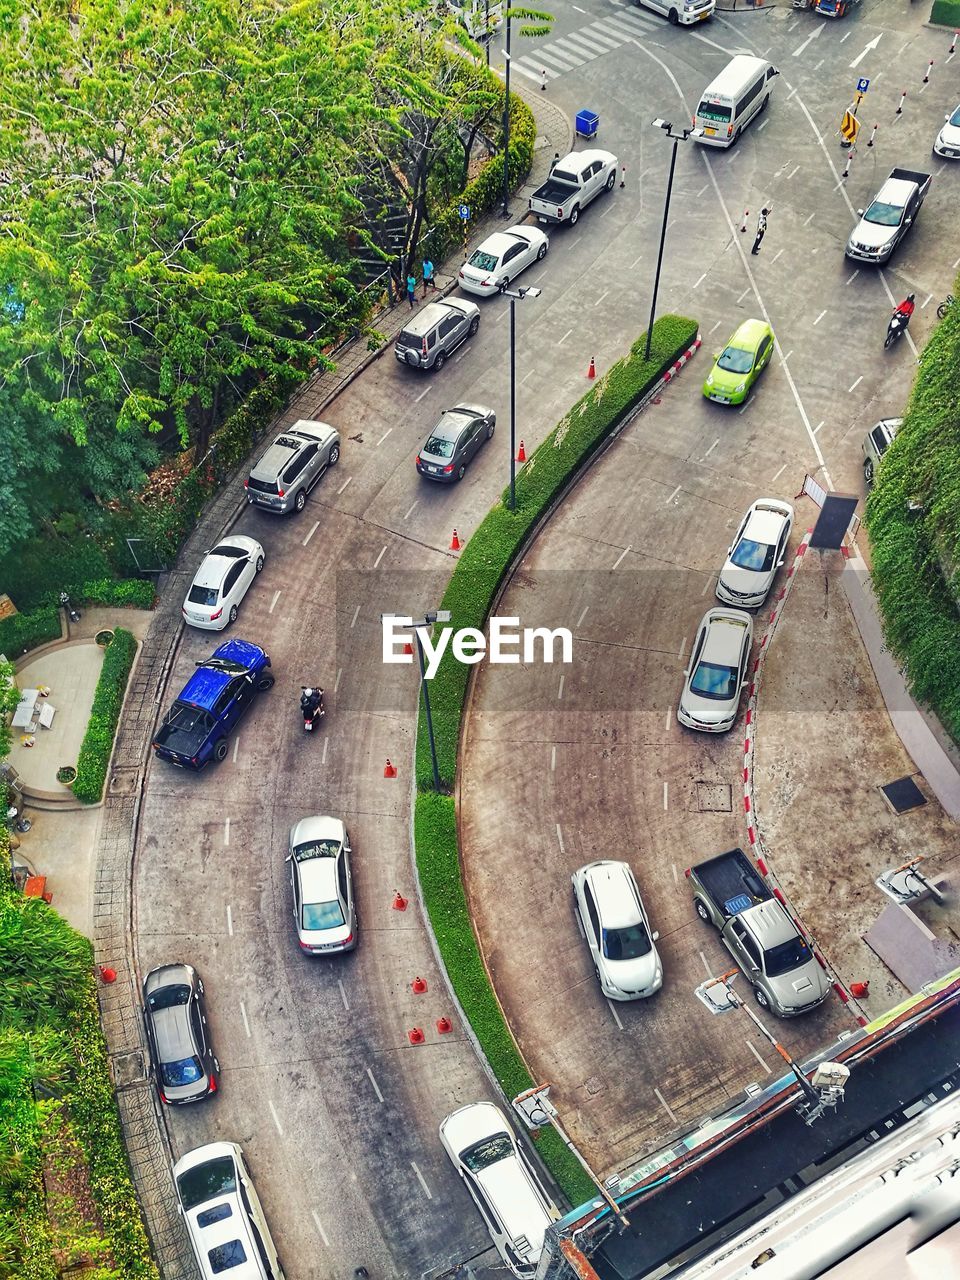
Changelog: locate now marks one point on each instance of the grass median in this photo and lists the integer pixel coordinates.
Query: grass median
(485, 563)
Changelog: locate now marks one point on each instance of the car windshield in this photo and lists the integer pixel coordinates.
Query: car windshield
(489, 1151)
(626, 944)
(714, 111)
(316, 849)
(322, 915)
(787, 956)
(483, 261)
(184, 1071)
(884, 215)
(955, 118)
(225, 1256)
(710, 680)
(217, 1177)
(736, 360)
(757, 556)
(203, 595)
(169, 997)
(439, 447)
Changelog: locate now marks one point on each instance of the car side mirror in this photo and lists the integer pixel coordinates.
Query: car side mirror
(779, 564)
(907, 222)
(288, 858)
(716, 355)
(656, 935)
(946, 117)
(859, 213)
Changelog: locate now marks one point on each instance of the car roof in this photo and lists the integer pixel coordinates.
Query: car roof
(433, 312)
(318, 879)
(172, 1030)
(452, 422)
(770, 924)
(725, 637)
(764, 525)
(749, 334)
(610, 882)
(207, 683)
(521, 1211)
(894, 191)
(497, 243)
(213, 569)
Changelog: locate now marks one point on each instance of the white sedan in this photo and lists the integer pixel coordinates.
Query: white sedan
(221, 582)
(501, 258)
(948, 139)
(755, 554)
(617, 929)
(717, 671)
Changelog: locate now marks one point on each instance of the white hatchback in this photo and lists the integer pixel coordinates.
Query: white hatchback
(617, 929)
(756, 554)
(501, 258)
(502, 1182)
(717, 671)
(221, 582)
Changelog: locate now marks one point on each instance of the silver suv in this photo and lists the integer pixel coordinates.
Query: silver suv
(292, 465)
(876, 443)
(184, 1063)
(435, 331)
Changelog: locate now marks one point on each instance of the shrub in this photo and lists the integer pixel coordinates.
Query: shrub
(133, 593)
(35, 572)
(946, 13)
(108, 699)
(24, 631)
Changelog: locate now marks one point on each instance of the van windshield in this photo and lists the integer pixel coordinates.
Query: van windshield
(717, 111)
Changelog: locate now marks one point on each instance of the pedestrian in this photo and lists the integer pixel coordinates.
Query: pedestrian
(556, 161)
(428, 276)
(412, 291)
(761, 230)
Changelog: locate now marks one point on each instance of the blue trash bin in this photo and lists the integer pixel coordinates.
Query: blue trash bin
(587, 124)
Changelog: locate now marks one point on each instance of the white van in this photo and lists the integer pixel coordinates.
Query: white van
(224, 1216)
(682, 12)
(730, 102)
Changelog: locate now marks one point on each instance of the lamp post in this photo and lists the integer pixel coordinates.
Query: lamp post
(428, 619)
(676, 138)
(505, 211)
(521, 292)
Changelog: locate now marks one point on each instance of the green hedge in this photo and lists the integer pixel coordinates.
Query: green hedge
(132, 593)
(946, 13)
(25, 631)
(492, 547)
(98, 740)
(485, 562)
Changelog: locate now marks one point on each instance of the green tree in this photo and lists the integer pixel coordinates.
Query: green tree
(9, 697)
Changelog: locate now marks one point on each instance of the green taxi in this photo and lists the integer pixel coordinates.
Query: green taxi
(740, 363)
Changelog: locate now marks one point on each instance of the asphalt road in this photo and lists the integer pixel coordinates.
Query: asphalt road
(337, 1111)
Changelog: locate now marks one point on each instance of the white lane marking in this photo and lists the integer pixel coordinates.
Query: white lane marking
(353, 620)
(775, 256)
(276, 1118)
(707, 585)
(635, 263)
(743, 295)
(716, 326)
(336, 683)
(384, 436)
(563, 852)
(753, 1050)
(343, 994)
(424, 392)
(791, 93)
(669, 720)
(676, 874)
(829, 160)
(605, 292)
(226, 834)
(236, 748)
(663, 1101)
(702, 190)
(420, 1178)
(855, 385)
(956, 264)
(317, 1223)
(672, 496)
(410, 510)
(565, 337)
(842, 38)
(706, 965)
(762, 126)
(923, 305)
(818, 426)
(578, 9)
(700, 280)
(779, 474)
(344, 485)
(616, 1016)
(243, 1015)
(229, 920)
(383, 552)
(311, 533)
(528, 374)
(376, 1087)
(616, 563)
(323, 755)
(793, 170)
(560, 689)
(683, 645)
(466, 351)
(850, 279)
(819, 317)
(583, 614)
(665, 790)
(809, 218)
(710, 450)
(576, 241)
(553, 759)
(273, 602)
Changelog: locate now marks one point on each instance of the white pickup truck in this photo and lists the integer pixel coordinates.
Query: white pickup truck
(574, 181)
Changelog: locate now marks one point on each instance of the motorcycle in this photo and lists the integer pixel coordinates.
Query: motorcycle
(311, 707)
(896, 328)
(945, 306)
(73, 613)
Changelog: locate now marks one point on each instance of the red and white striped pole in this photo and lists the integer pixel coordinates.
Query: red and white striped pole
(743, 224)
(903, 98)
(846, 167)
(873, 135)
(926, 78)
(953, 43)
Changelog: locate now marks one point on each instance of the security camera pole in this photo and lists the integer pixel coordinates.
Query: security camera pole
(520, 292)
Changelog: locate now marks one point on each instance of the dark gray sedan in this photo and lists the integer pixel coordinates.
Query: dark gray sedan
(176, 1023)
(455, 439)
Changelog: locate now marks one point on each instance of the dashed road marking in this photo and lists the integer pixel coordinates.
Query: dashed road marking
(742, 296)
(553, 759)
(420, 1178)
(855, 385)
(229, 921)
(779, 474)
(601, 298)
(620, 557)
(706, 965)
(676, 874)
(344, 485)
(563, 852)
(850, 279)
(276, 1118)
(353, 620)
(424, 392)
(343, 994)
(716, 326)
(319, 1225)
(336, 683)
(673, 495)
(616, 1016)
(702, 190)
(583, 614)
(775, 256)
(683, 645)
(763, 126)
(376, 1087)
(226, 834)
(636, 262)
(236, 748)
(819, 317)
(700, 280)
(323, 756)
(753, 1049)
(707, 585)
(666, 1106)
(560, 689)
(311, 533)
(383, 552)
(666, 786)
(710, 450)
(924, 304)
(243, 1017)
(818, 426)
(669, 720)
(565, 337)
(384, 436)
(410, 509)
(273, 602)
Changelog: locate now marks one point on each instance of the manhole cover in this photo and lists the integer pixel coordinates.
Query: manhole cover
(714, 797)
(128, 1068)
(903, 794)
(124, 782)
(592, 1086)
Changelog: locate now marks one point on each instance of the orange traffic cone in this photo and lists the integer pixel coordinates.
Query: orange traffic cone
(860, 989)
(408, 648)
(521, 453)
(444, 1025)
(455, 543)
(419, 986)
(107, 974)
(389, 770)
(415, 1036)
(399, 901)
(592, 371)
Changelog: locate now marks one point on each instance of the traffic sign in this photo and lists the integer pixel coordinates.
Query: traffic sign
(849, 126)
(464, 211)
(863, 84)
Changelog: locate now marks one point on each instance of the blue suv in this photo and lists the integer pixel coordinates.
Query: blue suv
(194, 730)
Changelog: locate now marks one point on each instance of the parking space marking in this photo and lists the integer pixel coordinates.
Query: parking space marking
(683, 645)
(343, 994)
(420, 1178)
(818, 426)
(775, 256)
(383, 552)
(410, 509)
(273, 602)
(742, 296)
(791, 93)
(384, 436)
(956, 264)
(792, 172)
(236, 748)
(923, 304)
(276, 1118)
(583, 614)
(779, 474)
(819, 317)
(243, 1018)
(560, 689)
(855, 385)
(676, 874)
(563, 852)
(465, 351)
(636, 262)
(700, 280)
(706, 965)
(672, 496)
(616, 1016)
(323, 755)
(353, 620)
(427, 388)
(226, 834)
(716, 326)
(553, 759)
(850, 279)
(702, 190)
(565, 337)
(763, 126)
(842, 38)
(575, 242)
(376, 1087)
(344, 485)
(669, 720)
(229, 921)
(528, 374)
(609, 209)
(311, 533)
(753, 1049)
(317, 1223)
(336, 683)
(665, 787)
(707, 585)
(620, 557)
(666, 1106)
(602, 296)
(710, 450)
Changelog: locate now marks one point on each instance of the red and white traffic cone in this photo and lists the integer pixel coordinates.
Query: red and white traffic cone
(592, 371)
(107, 974)
(455, 543)
(860, 989)
(521, 453)
(419, 986)
(399, 902)
(389, 770)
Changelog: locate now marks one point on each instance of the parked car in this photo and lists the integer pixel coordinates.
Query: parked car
(717, 671)
(501, 258)
(876, 443)
(500, 1177)
(435, 330)
(755, 554)
(221, 582)
(223, 1215)
(617, 930)
(323, 905)
(292, 465)
(574, 181)
(184, 1064)
(947, 144)
(194, 731)
(454, 441)
(888, 217)
(737, 367)
(769, 950)
(682, 12)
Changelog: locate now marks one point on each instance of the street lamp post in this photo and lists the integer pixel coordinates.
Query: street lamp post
(676, 138)
(428, 619)
(520, 292)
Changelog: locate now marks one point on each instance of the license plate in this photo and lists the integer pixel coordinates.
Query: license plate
(701, 16)
(721, 399)
(432, 470)
(198, 617)
(710, 133)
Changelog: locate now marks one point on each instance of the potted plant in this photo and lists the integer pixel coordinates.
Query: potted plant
(104, 637)
(67, 775)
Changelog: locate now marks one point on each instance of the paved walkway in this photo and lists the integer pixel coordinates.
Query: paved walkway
(71, 674)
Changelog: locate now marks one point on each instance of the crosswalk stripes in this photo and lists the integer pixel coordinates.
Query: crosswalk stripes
(605, 38)
(579, 47)
(517, 65)
(564, 60)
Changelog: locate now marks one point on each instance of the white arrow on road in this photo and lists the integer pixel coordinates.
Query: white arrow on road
(860, 56)
(797, 52)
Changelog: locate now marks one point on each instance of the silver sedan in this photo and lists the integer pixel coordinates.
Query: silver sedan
(756, 553)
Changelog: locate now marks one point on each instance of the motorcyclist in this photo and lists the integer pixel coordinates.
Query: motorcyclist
(311, 702)
(906, 308)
